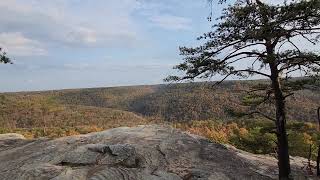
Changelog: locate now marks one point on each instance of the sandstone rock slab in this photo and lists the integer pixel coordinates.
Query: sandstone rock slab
(141, 153)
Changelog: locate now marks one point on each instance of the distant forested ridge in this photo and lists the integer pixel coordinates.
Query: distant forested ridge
(199, 108)
(178, 102)
(191, 101)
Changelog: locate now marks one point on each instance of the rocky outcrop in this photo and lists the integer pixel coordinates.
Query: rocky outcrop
(11, 136)
(140, 153)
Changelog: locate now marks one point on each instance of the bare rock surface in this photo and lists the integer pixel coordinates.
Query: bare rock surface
(140, 153)
(11, 136)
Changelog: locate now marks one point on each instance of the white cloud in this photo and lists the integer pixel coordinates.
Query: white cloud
(171, 22)
(82, 35)
(79, 66)
(71, 23)
(78, 23)
(110, 66)
(18, 45)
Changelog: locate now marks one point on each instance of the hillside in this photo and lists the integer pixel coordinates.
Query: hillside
(194, 107)
(40, 114)
(183, 102)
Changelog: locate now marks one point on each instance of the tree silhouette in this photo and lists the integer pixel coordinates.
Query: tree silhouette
(253, 38)
(3, 57)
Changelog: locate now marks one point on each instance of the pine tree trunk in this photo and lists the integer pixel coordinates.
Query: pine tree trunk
(283, 153)
(318, 157)
(318, 161)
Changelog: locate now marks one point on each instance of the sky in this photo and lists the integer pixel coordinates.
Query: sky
(63, 44)
(59, 44)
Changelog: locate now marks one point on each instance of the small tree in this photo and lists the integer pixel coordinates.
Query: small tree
(3, 57)
(252, 38)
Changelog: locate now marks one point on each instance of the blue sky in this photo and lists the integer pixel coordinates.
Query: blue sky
(62, 44)
(59, 44)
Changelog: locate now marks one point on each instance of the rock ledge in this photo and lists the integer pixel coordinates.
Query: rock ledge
(140, 153)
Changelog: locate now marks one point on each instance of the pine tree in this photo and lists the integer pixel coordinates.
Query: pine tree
(253, 38)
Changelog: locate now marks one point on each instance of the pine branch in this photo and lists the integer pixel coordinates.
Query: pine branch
(261, 114)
